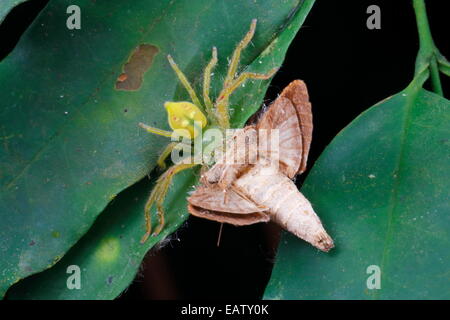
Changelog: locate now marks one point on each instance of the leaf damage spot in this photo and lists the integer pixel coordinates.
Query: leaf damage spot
(133, 71)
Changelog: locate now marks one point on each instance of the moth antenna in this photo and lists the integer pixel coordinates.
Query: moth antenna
(220, 235)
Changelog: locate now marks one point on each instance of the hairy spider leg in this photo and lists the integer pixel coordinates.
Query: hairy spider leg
(168, 149)
(237, 54)
(233, 81)
(240, 80)
(154, 130)
(158, 194)
(207, 84)
(166, 152)
(185, 82)
(222, 102)
(148, 206)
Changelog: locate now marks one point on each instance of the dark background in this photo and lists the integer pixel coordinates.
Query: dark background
(347, 68)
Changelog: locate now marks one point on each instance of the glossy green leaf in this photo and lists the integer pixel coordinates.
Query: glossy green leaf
(110, 254)
(6, 6)
(382, 190)
(98, 147)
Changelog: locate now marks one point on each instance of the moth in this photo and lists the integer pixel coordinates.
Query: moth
(253, 188)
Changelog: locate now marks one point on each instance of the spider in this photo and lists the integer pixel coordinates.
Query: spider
(191, 115)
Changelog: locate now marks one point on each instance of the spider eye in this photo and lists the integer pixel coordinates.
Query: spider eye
(185, 115)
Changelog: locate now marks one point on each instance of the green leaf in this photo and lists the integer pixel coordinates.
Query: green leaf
(97, 122)
(382, 190)
(6, 6)
(110, 254)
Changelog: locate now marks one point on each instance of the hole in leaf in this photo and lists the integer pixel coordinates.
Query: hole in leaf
(133, 71)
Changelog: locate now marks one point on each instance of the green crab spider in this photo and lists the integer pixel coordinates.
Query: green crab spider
(182, 115)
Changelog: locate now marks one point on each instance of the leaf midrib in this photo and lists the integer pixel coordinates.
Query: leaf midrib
(410, 101)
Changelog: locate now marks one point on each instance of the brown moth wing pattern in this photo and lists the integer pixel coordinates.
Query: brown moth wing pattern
(212, 203)
(231, 218)
(282, 115)
(297, 93)
(215, 199)
(211, 197)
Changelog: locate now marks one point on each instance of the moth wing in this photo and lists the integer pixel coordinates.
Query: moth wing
(231, 218)
(214, 198)
(212, 203)
(297, 93)
(282, 115)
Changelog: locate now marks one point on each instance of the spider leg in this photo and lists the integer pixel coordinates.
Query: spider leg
(242, 78)
(222, 101)
(166, 152)
(207, 83)
(158, 195)
(148, 218)
(237, 54)
(167, 179)
(154, 130)
(184, 81)
(160, 203)
(232, 82)
(222, 108)
(168, 149)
